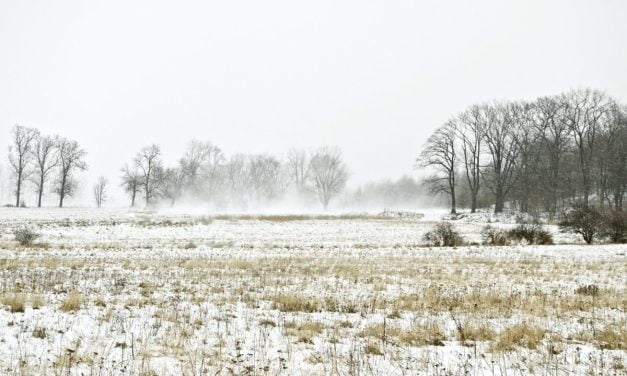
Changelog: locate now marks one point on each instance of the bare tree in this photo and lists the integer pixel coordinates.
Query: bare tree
(148, 162)
(238, 179)
(471, 129)
(555, 144)
(131, 181)
(266, 177)
(328, 174)
(525, 137)
(200, 166)
(46, 158)
(70, 160)
(171, 186)
(503, 120)
(100, 190)
(20, 156)
(584, 110)
(298, 166)
(440, 154)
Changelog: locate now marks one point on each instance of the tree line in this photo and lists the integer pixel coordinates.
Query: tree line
(204, 173)
(539, 155)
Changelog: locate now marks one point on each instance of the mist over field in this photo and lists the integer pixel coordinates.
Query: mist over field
(354, 188)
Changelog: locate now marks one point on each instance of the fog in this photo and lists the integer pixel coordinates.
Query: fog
(373, 78)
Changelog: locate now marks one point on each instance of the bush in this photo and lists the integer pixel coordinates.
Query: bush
(25, 236)
(614, 225)
(584, 220)
(443, 235)
(531, 233)
(494, 236)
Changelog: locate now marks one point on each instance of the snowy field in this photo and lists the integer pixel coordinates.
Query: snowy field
(118, 293)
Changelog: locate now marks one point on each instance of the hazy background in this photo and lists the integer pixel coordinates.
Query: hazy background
(372, 77)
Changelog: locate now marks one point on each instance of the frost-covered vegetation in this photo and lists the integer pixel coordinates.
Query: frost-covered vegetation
(114, 292)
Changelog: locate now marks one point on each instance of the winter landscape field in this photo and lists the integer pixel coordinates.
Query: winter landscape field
(113, 292)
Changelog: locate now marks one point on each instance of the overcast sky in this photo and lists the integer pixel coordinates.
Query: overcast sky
(372, 77)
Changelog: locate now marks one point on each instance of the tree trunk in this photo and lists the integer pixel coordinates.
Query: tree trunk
(41, 191)
(19, 186)
(62, 191)
(499, 202)
(473, 204)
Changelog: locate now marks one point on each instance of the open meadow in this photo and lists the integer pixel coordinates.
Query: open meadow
(113, 292)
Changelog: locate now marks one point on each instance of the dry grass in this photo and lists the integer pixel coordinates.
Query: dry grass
(612, 337)
(15, 302)
(72, 302)
(524, 334)
(269, 296)
(416, 335)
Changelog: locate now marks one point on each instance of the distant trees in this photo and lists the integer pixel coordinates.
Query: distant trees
(131, 181)
(71, 159)
(35, 158)
(328, 174)
(20, 156)
(100, 191)
(205, 174)
(543, 154)
(46, 158)
(148, 162)
(441, 154)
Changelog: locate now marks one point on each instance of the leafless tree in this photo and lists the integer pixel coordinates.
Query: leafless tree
(238, 179)
(328, 174)
(584, 110)
(525, 137)
(200, 166)
(555, 144)
(46, 158)
(503, 121)
(611, 159)
(298, 166)
(266, 177)
(100, 190)
(171, 185)
(148, 162)
(440, 154)
(471, 129)
(20, 156)
(131, 181)
(71, 157)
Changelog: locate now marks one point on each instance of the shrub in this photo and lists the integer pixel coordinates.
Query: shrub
(494, 236)
(587, 290)
(25, 236)
(531, 233)
(614, 225)
(584, 220)
(443, 235)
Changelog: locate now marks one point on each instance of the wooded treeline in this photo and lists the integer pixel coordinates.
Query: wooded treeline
(536, 156)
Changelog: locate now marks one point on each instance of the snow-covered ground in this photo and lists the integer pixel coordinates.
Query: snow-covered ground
(112, 292)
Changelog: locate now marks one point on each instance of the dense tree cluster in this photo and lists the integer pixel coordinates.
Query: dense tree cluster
(541, 155)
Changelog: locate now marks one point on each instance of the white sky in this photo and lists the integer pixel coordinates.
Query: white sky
(373, 77)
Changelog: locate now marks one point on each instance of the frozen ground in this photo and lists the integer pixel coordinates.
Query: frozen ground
(116, 292)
